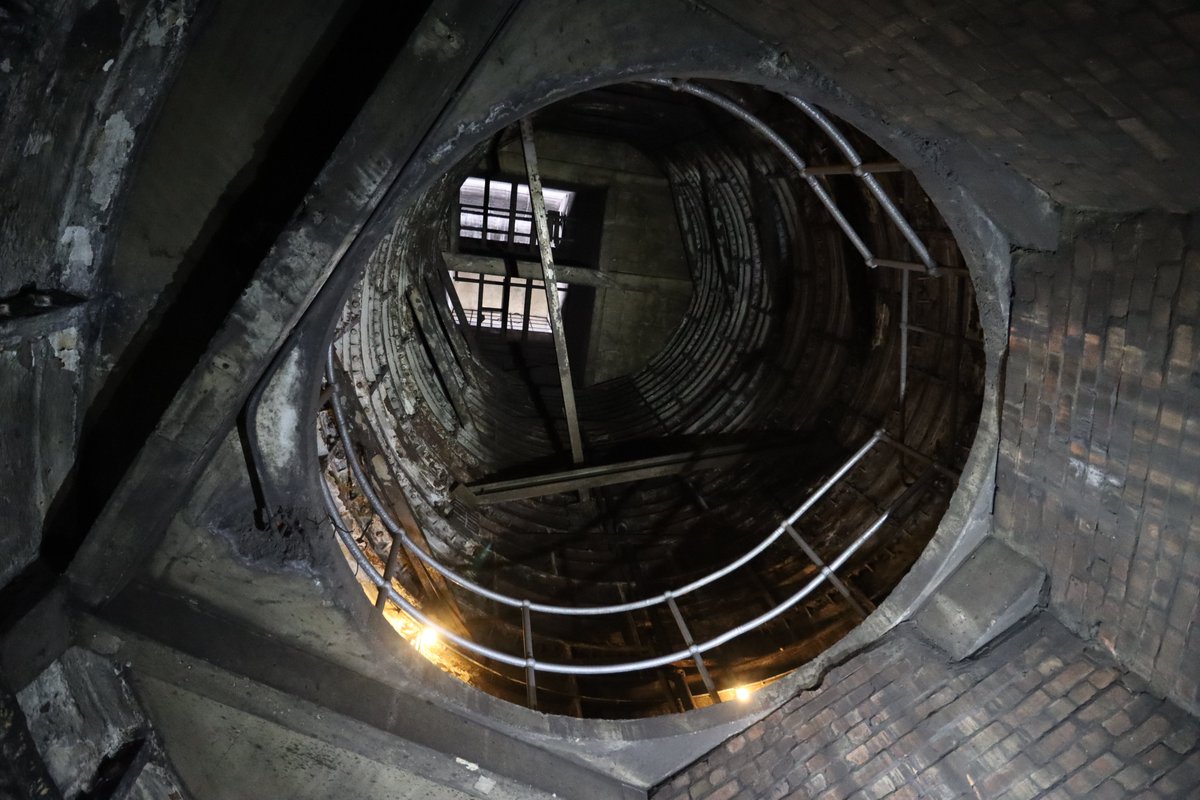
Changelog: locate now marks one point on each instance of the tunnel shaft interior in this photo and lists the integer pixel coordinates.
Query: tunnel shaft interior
(730, 350)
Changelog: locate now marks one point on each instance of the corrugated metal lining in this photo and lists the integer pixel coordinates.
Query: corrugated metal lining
(788, 334)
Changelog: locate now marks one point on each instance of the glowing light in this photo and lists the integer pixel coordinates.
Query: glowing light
(741, 694)
(427, 638)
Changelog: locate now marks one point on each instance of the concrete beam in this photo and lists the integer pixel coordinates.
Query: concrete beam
(993, 589)
(190, 646)
(358, 186)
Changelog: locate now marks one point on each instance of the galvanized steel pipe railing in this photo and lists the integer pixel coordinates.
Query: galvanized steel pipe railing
(810, 174)
(826, 570)
(528, 663)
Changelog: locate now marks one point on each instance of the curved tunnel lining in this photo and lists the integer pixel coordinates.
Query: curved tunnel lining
(854, 168)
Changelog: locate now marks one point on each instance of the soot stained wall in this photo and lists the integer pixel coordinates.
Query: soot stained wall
(1099, 471)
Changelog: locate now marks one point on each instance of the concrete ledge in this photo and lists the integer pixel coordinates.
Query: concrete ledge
(994, 587)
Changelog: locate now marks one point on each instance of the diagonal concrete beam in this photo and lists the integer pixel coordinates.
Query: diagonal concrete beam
(340, 223)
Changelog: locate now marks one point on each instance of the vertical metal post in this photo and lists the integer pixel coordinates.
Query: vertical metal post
(512, 214)
(504, 304)
(487, 192)
(538, 201)
(960, 323)
(479, 301)
(530, 663)
(829, 574)
(697, 656)
(528, 308)
(389, 571)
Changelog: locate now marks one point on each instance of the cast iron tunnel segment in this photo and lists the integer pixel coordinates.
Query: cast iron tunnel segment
(759, 262)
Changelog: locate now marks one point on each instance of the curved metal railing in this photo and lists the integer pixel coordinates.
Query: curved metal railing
(694, 650)
(810, 175)
(526, 605)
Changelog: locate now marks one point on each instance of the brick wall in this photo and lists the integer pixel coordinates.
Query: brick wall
(1100, 453)
(1093, 100)
(1039, 715)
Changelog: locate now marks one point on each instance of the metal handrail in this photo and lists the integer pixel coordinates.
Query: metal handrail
(810, 177)
(869, 180)
(529, 663)
(397, 530)
(826, 571)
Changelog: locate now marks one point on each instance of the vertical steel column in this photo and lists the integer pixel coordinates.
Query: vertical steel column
(538, 201)
(697, 656)
(479, 300)
(504, 303)
(528, 308)
(530, 663)
(487, 192)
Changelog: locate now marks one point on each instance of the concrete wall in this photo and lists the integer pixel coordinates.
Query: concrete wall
(79, 86)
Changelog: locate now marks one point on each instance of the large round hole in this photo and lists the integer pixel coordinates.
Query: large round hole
(727, 356)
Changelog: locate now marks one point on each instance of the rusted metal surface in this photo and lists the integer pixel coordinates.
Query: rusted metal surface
(550, 279)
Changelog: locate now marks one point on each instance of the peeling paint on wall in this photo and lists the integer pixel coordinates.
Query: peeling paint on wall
(75, 248)
(111, 154)
(65, 344)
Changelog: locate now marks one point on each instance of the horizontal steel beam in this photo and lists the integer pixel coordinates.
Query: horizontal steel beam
(596, 475)
(572, 276)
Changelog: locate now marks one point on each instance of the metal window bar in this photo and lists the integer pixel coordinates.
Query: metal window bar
(499, 223)
(479, 315)
(493, 318)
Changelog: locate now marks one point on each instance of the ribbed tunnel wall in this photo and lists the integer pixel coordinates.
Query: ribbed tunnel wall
(788, 335)
(1094, 104)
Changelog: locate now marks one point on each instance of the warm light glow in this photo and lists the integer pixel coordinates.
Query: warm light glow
(427, 638)
(741, 694)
